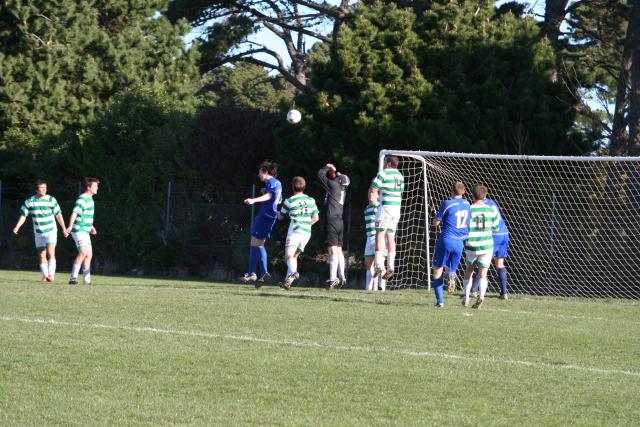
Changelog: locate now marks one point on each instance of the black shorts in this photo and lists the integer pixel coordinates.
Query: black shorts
(334, 230)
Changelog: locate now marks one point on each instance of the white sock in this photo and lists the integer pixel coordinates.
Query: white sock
(383, 284)
(333, 267)
(341, 266)
(292, 266)
(86, 275)
(44, 269)
(52, 268)
(484, 284)
(368, 280)
(391, 260)
(379, 260)
(467, 288)
(75, 270)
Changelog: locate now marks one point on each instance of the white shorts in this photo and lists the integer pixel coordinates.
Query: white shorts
(370, 246)
(387, 218)
(483, 259)
(46, 239)
(82, 239)
(297, 240)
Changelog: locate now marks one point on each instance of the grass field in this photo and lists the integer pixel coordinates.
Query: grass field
(130, 351)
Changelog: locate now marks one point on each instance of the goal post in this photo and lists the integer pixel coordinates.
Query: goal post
(574, 222)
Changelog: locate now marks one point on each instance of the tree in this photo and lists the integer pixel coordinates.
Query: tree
(633, 33)
(61, 62)
(229, 23)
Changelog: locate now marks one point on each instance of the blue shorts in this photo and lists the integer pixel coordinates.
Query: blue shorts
(263, 226)
(500, 245)
(448, 253)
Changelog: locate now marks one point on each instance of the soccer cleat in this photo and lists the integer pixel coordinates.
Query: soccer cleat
(379, 272)
(439, 305)
(465, 303)
(478, 303)
(86, 282)
(333, 283)
(73, 281)
(266, 278)
(49, 278)
(290, 279)
(342, 282)
(388, 274)
(452, 284)
(44, 279)
(249, 278)
(504, 296)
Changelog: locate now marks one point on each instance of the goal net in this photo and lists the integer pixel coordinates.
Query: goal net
(574, 222)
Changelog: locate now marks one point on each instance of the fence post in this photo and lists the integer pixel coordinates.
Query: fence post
(348, 237)
(0, 211)
(167, 216)
(253, 211)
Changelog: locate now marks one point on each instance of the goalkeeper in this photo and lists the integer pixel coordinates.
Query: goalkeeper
(454, 216)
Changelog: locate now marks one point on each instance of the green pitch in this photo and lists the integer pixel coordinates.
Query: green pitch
(128, 351)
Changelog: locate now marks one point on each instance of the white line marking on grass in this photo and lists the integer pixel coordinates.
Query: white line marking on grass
(307, 344)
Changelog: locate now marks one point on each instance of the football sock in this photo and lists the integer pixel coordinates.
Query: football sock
(254, 256)
(379, 259)
(391, 260)
(75, 270)
(466, 283)
(292, 266)
(333, 267)
(263, 259)
(438, 284)
(502, 275)
(383, 283)
(52, 267)
(86, 275)
(44, 269)
(341, 266)
(484, 283)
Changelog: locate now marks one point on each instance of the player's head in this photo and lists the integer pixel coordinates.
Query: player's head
(457, 189)
(267, 169)
(479, 192)
(373, 196)
(299, 184)
(391, 162)
(41, 187)
(91, 184)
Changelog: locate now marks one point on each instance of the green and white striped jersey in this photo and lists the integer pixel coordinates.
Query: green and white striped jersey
(43, 211)
(390, 184)
(300, 208)
(370, 219)
(484, 220)
(84, 210)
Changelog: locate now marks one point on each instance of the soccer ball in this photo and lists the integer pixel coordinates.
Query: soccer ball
(294, 116)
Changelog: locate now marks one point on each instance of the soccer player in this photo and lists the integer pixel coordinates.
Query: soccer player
(479, 246)
(81, 227)
(371, 283)
(264, 222)
(303, 212)
(389, 183)
(335, 185)
(454, 216)
(44, 211)
(500, 252)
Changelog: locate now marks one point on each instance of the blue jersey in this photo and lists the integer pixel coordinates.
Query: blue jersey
(455, 215)
(502, 230)
(270, 207)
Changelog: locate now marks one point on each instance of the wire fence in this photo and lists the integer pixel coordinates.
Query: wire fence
(178, 230)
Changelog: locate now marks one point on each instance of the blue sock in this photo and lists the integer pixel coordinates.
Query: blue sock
(263, 259)
(502, 275)
(437, 287)
(475, 287)
(254, 256)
